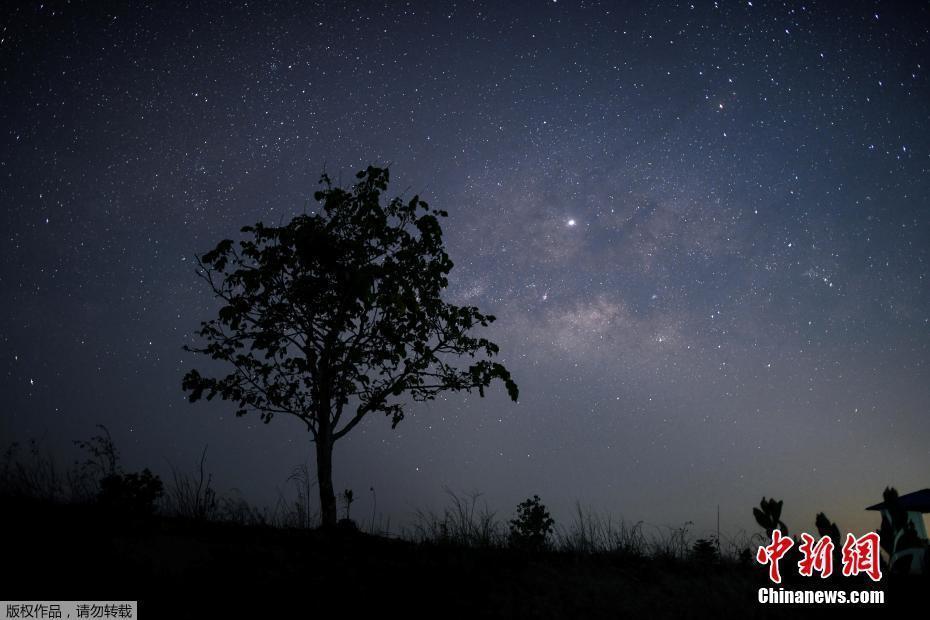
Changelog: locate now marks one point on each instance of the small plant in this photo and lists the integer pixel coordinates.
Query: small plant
(346, 523)
(825, 527)
(103, 457)
(768, 515)
(303, 515)
(192, 498)
(102, 477)
(134, 494)
(532, 526)
(348, 497)
(704, 551)
(674, 545)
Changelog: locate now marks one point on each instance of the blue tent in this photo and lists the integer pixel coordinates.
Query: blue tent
(916, 504)
(918, 501)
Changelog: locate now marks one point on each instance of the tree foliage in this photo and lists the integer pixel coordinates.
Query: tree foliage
(339, 314)
(532, 526)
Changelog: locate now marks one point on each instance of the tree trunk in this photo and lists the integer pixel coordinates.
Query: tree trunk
(324, 477)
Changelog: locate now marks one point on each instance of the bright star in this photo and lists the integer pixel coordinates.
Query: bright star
(571, 222)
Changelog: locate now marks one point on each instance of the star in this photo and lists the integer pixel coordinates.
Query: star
(668, 283)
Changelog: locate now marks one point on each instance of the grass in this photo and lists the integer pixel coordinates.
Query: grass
(230, 557)
(464, 522)
(192, 496)
(467, 520)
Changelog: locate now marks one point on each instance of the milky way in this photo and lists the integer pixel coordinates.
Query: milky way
(703, 228)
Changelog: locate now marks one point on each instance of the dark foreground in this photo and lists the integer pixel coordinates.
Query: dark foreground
(183, 569)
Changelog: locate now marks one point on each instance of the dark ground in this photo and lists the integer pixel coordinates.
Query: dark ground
(184, 569)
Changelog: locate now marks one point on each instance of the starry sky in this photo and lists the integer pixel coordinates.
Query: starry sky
(703, 227)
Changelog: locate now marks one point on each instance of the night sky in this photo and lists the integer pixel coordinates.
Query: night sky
(704, 229)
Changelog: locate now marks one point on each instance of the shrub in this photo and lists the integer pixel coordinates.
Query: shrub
(532, 526)
(134, 493)
(704, 551)
(768, 516)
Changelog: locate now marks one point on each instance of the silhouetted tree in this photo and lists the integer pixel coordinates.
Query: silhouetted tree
(531, 528)
(339, 314)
